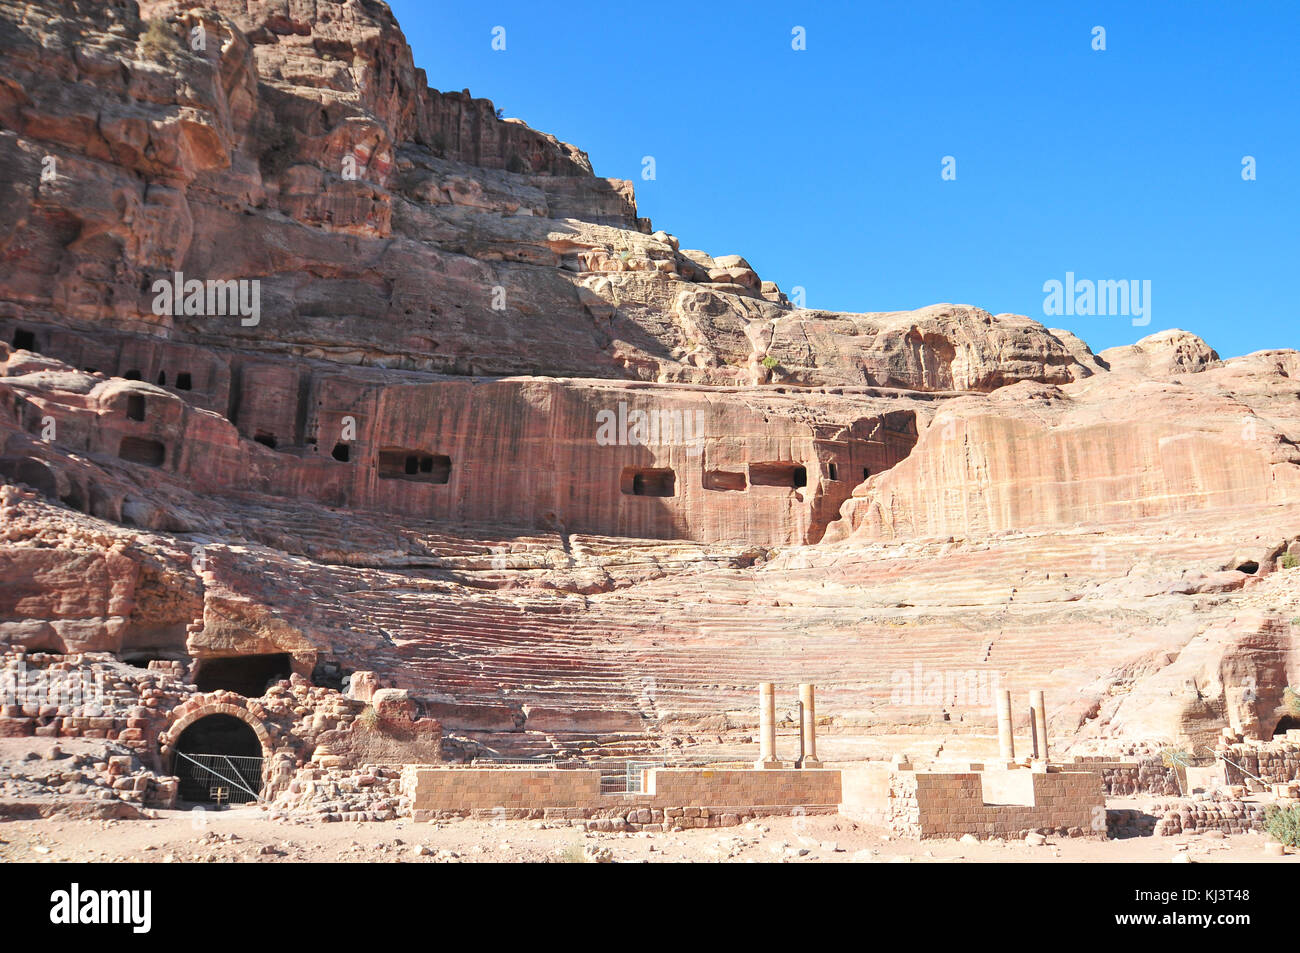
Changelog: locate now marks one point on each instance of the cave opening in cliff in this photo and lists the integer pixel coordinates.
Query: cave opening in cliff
(218, 759)
(1287, 723)
(341, 452)
(142, 450)
(724, 480)
(414, 465)
(142, 659)
(24, 340)
(265, 439)
(162, 378)
(184, 381)
(832, 471)
(131, 375)
(135, 407)
(247, 675)
(655, 481)
(790, 475)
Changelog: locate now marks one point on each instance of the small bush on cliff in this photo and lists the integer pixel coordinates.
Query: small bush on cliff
(1291, 698)
(1290, 560)
(369, 718)
(769, 362)
(1283, 824)
(159, 35)
(280, 152)
(1174, 757)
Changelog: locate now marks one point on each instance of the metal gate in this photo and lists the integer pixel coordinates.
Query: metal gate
(218, 778)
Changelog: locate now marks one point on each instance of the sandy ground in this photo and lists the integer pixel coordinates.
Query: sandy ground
(247, 835)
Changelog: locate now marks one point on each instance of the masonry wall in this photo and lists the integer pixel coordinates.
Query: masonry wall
(1120, 778)
(1231, 816)
(686, 797)
(984, 804)
(1276, 762)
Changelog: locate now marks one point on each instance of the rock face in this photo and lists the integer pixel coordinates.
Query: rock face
(308, 368)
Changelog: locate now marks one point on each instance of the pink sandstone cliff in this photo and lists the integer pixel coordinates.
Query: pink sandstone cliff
(400, 467)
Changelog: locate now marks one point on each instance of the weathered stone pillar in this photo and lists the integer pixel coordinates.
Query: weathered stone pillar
(1039, 710)
(1006, 741)
(767, 726)
(808, 725)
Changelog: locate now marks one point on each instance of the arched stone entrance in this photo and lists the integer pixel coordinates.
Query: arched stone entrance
(219, 752)
(1287, 723)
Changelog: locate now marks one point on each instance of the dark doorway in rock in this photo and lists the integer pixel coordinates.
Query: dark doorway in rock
(141, 450)
(131, 375)
(1288, 723)
(1250, 567)
(648, 482)
(162, 378)
(184, 381)
(724, 480)
(246, 675)
(341, 452)
(24, 340)
(265, 439)
(135, 407)
(142, 659)
(778, 474)
(218, 759)
(414, 465)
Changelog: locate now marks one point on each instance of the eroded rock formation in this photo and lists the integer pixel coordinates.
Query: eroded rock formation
(479, 428)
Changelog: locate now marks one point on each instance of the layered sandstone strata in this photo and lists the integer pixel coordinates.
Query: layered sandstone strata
(575, 488)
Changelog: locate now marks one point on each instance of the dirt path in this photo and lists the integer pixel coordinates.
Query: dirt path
(246, 835)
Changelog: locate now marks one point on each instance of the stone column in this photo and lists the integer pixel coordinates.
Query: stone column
(767, 726)
(1006, 741)
(1039, 710)
(808, 725)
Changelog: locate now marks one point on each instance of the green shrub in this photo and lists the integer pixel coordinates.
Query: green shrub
(280, 153)
(1283, 824)
(159, 35)
(369, 718)
(769, 362)
(1290, 560)
(1291, 698)
(1174, 757)
(573, 854)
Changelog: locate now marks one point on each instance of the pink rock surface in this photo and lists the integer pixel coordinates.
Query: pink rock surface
(407, 465)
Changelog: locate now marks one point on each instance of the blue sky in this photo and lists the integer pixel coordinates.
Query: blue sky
(823, 166)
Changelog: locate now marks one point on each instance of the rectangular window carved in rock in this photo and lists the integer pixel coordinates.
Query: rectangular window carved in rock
(724, 480)
(638, 481)
(415, 465)
(791, 475)
(141, 450)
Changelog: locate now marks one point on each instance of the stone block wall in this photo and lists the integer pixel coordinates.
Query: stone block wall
(1070, 803)
(936, 804)
(441, 790)
(1275, 762)
(1122, 778)
(1231, 816)
(681, 797)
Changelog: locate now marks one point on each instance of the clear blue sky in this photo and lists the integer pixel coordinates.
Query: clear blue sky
(822, 167)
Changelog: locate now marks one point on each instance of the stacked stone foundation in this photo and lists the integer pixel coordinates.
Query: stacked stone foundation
(996, 803)
(673, 797)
